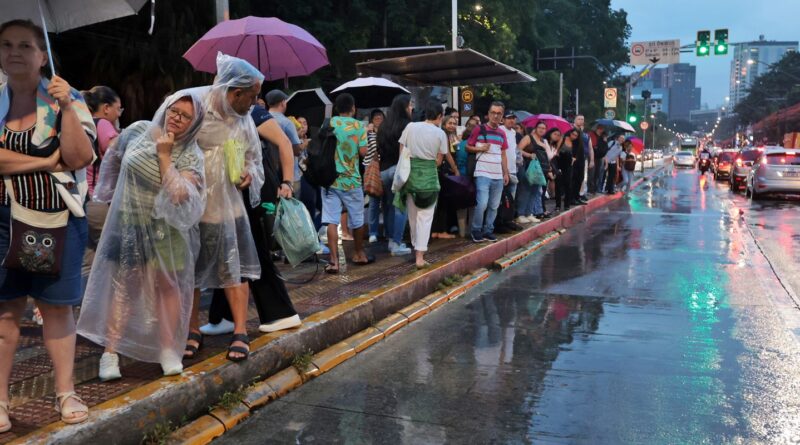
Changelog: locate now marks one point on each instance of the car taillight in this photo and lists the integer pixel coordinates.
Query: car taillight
(738, 162)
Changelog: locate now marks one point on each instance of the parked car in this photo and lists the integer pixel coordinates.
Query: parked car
(776, 171)
(684, 159)
(723, 164)
(741, 167)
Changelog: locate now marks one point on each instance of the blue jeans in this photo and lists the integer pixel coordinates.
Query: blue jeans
(490, 192)
(394, 221)
(529, 199)
(600, 177)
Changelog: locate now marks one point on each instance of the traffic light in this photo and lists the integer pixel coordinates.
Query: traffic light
(721, 42)
(632, 118)
(703, 43)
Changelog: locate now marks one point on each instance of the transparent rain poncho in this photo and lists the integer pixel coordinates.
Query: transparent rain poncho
(227, 249)
(138, 298)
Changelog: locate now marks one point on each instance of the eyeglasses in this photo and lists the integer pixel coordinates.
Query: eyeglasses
(496, 113)
(177, 114)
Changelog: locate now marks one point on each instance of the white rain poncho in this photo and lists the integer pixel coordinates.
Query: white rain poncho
(138, 299)
(227, 249)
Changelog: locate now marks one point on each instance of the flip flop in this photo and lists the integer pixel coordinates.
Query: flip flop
(240, 349)
(370, 260)
(190, 351)
(331, 270)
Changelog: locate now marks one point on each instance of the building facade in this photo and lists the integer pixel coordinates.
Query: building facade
(752, 59)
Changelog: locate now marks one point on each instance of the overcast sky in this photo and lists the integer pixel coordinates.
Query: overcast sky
(681, 19)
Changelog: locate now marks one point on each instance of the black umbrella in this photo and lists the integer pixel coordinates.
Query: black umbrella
(313, 105)
(612, 125)
(371, 92)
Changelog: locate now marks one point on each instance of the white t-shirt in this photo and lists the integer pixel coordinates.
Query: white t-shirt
(511, 152)
(424, 140)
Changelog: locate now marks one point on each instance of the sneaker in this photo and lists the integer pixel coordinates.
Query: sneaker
(523, 220)
(489, 237)
(373, 239)
(477, 238)
(534, 219)
(281, 324)
(170, 363)
(109, 367)
(223, 327)
(400, 250)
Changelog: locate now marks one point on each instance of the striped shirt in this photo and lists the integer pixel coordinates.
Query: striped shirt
(35, 190)
(372, 147)
(489, 164)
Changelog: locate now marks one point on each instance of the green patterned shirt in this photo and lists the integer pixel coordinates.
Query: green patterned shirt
(351, 135)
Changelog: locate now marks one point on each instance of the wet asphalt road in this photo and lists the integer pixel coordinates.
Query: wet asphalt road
(657, 321)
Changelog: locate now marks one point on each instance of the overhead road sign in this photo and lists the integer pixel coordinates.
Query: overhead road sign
(656, 51)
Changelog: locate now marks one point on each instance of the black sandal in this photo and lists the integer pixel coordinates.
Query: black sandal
(191, 351)
(246, 351)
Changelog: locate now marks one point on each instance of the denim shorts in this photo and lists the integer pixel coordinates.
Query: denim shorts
(63, 290)
(333, 201)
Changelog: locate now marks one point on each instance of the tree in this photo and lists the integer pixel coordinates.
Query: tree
(777, 88)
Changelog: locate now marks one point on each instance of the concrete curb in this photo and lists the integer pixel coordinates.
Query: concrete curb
(125, 419)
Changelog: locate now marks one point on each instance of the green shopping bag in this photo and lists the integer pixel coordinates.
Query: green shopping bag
(294, 231)
(534, 173)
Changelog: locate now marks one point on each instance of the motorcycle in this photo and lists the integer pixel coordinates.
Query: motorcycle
(704, 164)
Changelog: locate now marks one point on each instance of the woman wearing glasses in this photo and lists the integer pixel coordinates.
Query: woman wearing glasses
(139, 295)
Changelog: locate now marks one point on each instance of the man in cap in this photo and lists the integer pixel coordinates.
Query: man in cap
(277, 103)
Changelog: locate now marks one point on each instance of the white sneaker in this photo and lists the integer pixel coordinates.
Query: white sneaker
(534, 220)
(373, 239)
(523, 220)
(400, 250)
(281, 324)
(223, 327)
(109, 367)
(170, 363)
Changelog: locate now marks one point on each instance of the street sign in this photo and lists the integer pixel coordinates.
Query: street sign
(655, 51)
(610, 98)
(610, 114)
(644, 125)
(466, 106)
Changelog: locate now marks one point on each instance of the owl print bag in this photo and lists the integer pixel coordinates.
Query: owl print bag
(37, 238)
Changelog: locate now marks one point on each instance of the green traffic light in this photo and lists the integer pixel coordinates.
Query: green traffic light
(632, 118)
(721, 49)
(702, 50)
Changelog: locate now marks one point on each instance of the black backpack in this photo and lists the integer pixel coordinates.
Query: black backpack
(321, 163)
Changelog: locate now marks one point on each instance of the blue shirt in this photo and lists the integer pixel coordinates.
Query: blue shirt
(291, 132)
(585, 138)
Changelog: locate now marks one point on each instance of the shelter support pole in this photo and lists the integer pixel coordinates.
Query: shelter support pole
(577, 101)
(223, 10)
(454, 41)
(561, 94)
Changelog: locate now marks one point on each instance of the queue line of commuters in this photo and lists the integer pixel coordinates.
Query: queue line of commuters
(167, 216)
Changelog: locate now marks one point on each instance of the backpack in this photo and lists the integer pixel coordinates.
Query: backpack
(630, 162)
(472, 158)
(321, 163)
(506, 211)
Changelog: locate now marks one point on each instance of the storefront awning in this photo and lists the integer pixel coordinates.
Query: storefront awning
(448, 68)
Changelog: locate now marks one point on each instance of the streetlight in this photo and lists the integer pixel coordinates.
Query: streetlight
(478, 7)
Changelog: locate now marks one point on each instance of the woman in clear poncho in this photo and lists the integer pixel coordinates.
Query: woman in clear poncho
(232, 150)
(138, 299)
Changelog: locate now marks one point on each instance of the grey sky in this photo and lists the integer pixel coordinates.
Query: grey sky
(681, 19)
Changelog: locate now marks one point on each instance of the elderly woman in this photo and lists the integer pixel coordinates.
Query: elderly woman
(140, 292)
(40, 118)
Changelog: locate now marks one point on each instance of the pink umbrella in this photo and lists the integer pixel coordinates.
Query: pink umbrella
(551, 120)
(637, 143)
(278, 49)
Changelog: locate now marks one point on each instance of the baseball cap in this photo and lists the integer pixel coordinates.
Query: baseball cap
(509, 114)
(275, 97)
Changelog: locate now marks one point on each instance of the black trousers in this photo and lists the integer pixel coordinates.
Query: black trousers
(578, 174)
(611, 179)
(563, 187)
(269, 292)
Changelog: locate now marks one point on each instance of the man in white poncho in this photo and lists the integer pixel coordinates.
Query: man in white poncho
(139, 296)
(232, 150)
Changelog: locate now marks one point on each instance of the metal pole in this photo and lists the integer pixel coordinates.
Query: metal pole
(454, 41)
(644, 135)
(628, 97)
(577, 101)
(223, 11)
(561, 94)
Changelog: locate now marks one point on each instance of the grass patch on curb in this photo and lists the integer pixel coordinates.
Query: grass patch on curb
(302, 362)
(230, 399)
(159, 434)
(449, 281)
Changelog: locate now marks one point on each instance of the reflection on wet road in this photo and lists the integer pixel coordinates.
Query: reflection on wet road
(655, 322)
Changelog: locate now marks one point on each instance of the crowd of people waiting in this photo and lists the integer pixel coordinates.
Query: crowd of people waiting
(156, 212)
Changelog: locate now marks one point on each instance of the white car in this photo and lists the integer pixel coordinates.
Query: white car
(684, 159)
(776, 171)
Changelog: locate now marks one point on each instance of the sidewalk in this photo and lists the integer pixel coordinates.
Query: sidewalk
(332, 306)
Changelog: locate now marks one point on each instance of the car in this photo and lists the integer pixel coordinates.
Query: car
(776, 171)
(741, 167)
(723, 164)
(684, 159)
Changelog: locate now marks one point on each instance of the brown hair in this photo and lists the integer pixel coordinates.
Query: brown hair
(37, 30)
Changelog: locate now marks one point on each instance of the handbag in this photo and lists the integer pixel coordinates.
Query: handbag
(458, 192)
(36, 238)
(373, 185)
(403, 171)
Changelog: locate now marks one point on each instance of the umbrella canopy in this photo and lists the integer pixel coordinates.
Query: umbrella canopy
(371, 92)
(278, 49)
(313, 105)
(63, 15)
(522, 115)
(551, 120)
(637, 143)
(610, 125)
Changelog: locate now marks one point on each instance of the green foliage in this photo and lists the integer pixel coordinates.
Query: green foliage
(302, 362)
(449, 281)
(775, 89)
(159, 434)
(230, 399)
(144, 68)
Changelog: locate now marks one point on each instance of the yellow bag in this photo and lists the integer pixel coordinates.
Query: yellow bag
(234, 151)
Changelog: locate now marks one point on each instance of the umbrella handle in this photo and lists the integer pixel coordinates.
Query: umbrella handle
(46, 39)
